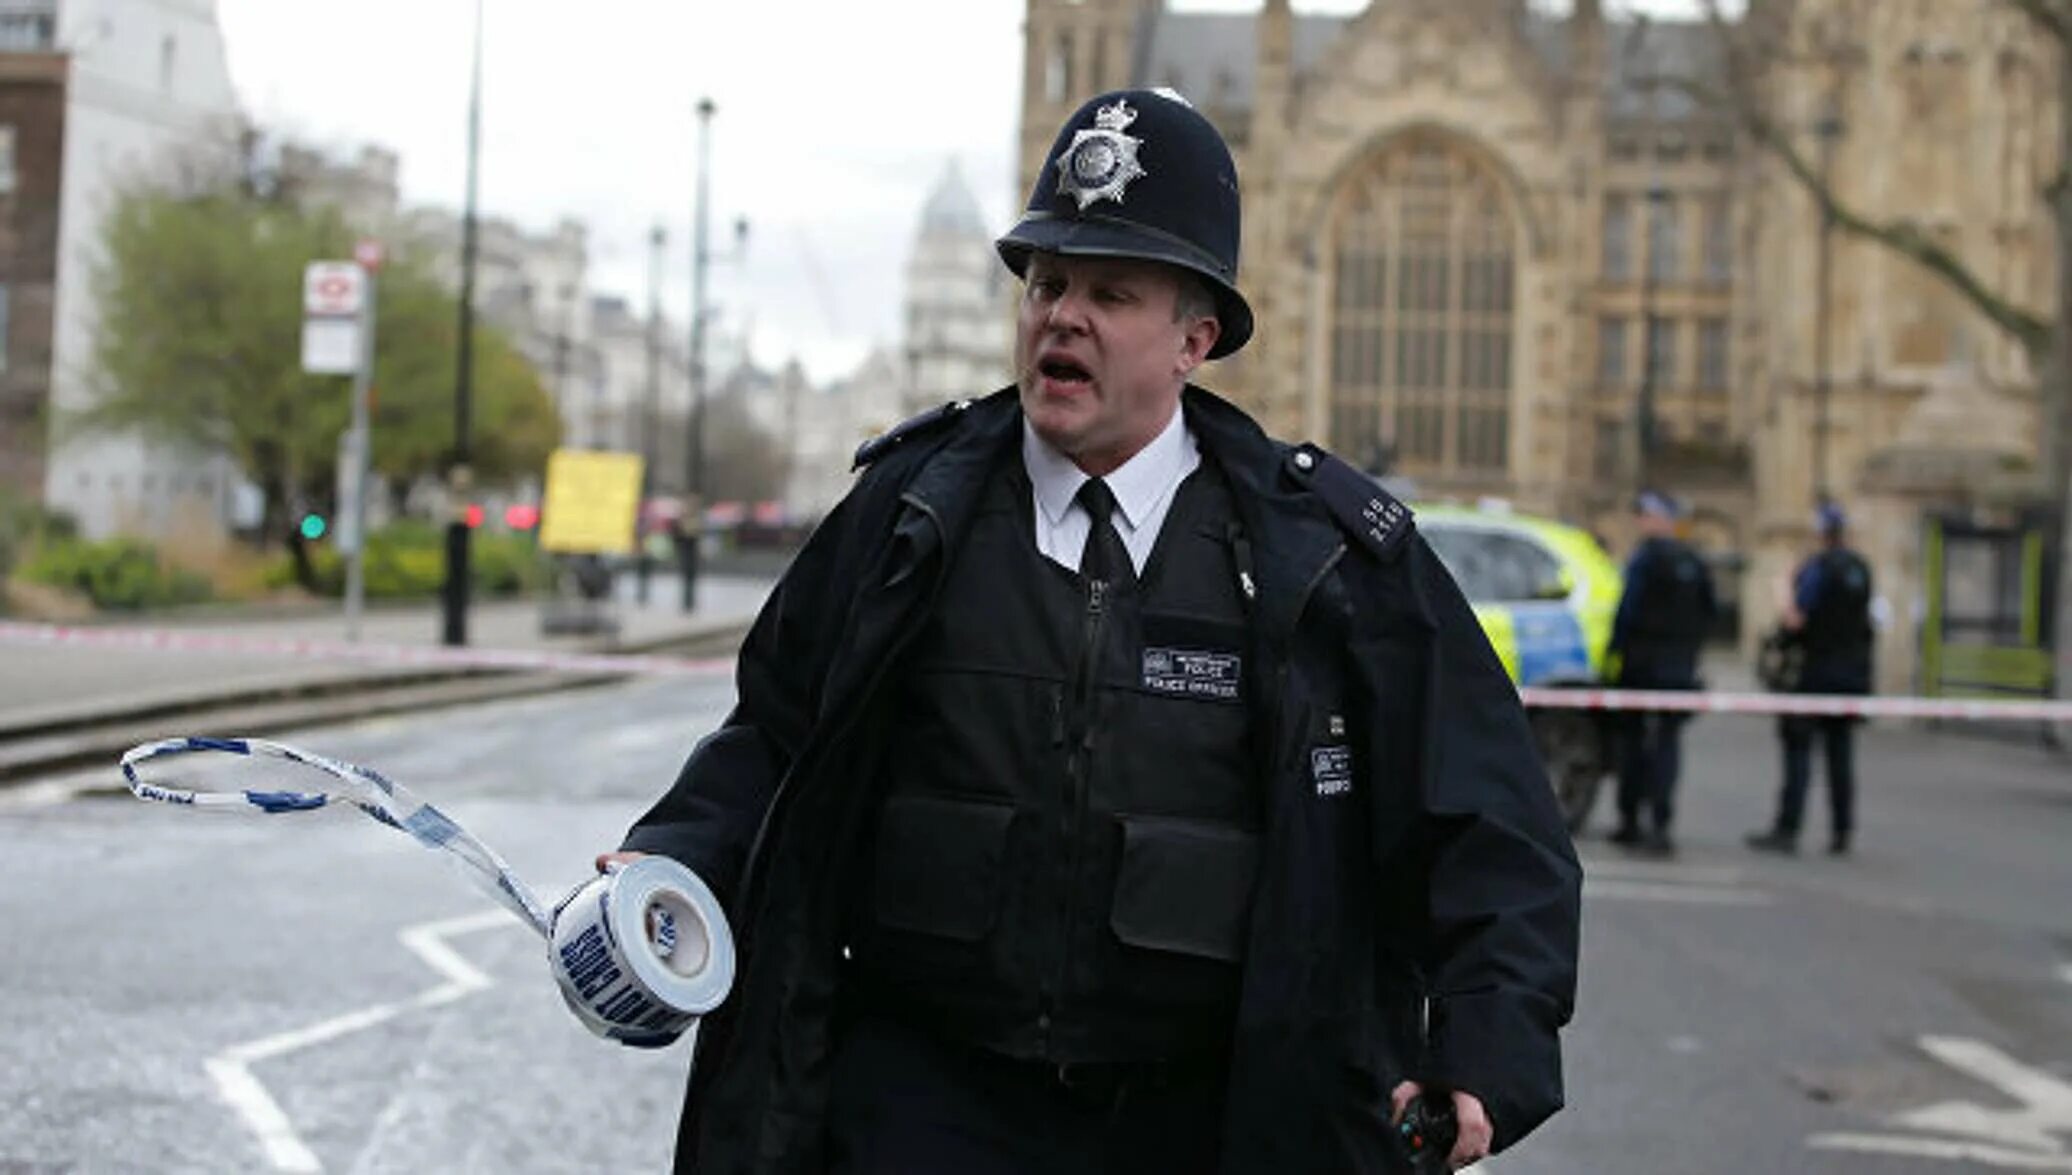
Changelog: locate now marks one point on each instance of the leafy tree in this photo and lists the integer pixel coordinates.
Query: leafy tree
(199, 287)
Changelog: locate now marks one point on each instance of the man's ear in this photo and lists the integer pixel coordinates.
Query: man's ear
(1199, 340)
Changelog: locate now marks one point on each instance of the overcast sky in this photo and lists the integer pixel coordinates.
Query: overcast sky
(836, 118)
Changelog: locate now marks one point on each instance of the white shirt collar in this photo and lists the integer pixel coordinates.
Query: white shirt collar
(1140, 484)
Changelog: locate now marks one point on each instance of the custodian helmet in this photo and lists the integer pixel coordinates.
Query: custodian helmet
(1140, 173)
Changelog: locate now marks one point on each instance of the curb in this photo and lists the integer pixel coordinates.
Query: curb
(28, 752)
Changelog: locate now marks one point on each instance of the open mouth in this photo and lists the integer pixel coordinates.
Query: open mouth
(1064, 371)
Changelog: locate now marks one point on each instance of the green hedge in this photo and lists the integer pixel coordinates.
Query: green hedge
(122, 574)
(408, 561)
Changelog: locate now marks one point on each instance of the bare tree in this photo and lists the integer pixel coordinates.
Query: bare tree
(1752, 47)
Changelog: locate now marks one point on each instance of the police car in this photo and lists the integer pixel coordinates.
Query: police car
(1546, 594)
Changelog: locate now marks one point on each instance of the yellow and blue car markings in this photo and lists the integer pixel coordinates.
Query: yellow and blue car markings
(1546, 641)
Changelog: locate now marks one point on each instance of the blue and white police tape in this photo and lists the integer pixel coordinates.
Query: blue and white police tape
(640, 952)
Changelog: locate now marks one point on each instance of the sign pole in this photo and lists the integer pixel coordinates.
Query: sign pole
(353, 534)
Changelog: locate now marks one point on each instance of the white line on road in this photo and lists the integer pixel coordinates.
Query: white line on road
(1693, 895)
(231, 1069)
(1942, 1148)
(2065, 972)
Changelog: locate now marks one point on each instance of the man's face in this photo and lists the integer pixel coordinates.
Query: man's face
(1100, 356)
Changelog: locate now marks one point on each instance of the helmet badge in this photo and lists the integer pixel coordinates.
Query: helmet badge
(1101, 162)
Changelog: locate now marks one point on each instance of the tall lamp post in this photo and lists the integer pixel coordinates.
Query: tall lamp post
(658, 240)
(701, 261)
(1829, 128)
(454, 598)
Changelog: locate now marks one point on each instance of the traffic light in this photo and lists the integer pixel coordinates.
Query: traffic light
(314, 526)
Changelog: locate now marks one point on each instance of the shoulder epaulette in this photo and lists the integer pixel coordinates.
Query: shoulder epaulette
(926, 422)
(1366, 511)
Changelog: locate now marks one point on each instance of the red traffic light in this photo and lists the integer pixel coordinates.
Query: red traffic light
(521, 517)
(473, 516)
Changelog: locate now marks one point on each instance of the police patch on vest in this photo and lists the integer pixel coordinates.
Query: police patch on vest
(1193, 673)
(1332, 768)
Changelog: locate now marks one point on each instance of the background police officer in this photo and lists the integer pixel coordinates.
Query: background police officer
(1657, 635)
(1112, 788)
(1830, 613)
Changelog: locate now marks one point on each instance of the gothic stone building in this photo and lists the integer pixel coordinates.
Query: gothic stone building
(1494, 249)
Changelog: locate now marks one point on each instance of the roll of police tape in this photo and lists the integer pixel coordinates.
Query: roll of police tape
(642, 951)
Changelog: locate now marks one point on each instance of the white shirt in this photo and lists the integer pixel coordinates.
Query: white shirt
(1143, 489)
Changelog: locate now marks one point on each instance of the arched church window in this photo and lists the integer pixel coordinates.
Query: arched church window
(1422, 246)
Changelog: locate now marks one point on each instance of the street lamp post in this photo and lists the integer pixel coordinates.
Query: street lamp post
(658, 240)
(454, 598)
(701, 261)
(1829, 129)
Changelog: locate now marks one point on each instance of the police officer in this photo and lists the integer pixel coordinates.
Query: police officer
(1111, 787)
(1667, 609)
(1830, 614)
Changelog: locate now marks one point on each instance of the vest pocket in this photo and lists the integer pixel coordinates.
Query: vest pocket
(939, 866)
(1184, 886)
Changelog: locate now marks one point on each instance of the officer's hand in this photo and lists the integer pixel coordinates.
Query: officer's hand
(608, 860)
(1472, 1145)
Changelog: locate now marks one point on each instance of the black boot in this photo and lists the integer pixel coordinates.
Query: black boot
(1627, 837)
(1838, 846)
(1774, 841)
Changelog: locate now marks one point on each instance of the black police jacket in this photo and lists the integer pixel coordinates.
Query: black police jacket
(1413, 856)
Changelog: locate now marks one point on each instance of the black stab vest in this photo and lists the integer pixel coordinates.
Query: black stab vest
(1063, 859)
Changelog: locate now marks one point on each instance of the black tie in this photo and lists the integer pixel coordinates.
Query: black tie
(1104, 558)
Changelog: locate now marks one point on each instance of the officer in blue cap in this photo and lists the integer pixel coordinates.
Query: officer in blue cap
(1664, 615)
(1829, 616)
(1115, 788)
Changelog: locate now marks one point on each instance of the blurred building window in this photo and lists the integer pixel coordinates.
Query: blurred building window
(1663, 239)
(1712, 354)
(28, 32)
(1610, 456)
(1671, 146)
(6, 322)
(7, 181)
(167, 51)
(1618, 238)
(1057, 72)
(1661, 347)
(1611, 352)
(1719, 241)
(1423, 288)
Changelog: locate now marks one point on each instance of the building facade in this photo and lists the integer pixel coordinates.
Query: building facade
(954, 340)
(1510, 255)
(143, 81)
(32, 151)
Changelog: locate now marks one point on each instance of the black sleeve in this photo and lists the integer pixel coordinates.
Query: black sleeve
(710, 817)
(1504, 891)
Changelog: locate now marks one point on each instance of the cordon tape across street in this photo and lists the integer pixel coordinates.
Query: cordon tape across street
(1688, 701)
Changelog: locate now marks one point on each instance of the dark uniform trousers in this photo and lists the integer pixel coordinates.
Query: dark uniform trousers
(1043, 965)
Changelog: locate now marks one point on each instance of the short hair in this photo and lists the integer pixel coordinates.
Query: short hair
(1193, 299)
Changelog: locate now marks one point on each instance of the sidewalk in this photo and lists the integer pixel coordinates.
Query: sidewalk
(46, 684)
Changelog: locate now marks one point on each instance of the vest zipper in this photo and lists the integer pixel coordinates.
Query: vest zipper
(1078, 766)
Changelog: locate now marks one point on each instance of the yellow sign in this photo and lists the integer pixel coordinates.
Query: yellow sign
(591, 502)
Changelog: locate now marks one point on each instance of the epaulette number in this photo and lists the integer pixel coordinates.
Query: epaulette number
(1365, 510)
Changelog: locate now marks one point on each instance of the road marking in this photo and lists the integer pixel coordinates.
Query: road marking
(2024, 1138)
(1941, 1148)
(1694, 895)
(2065, 972)
(231, 1069)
